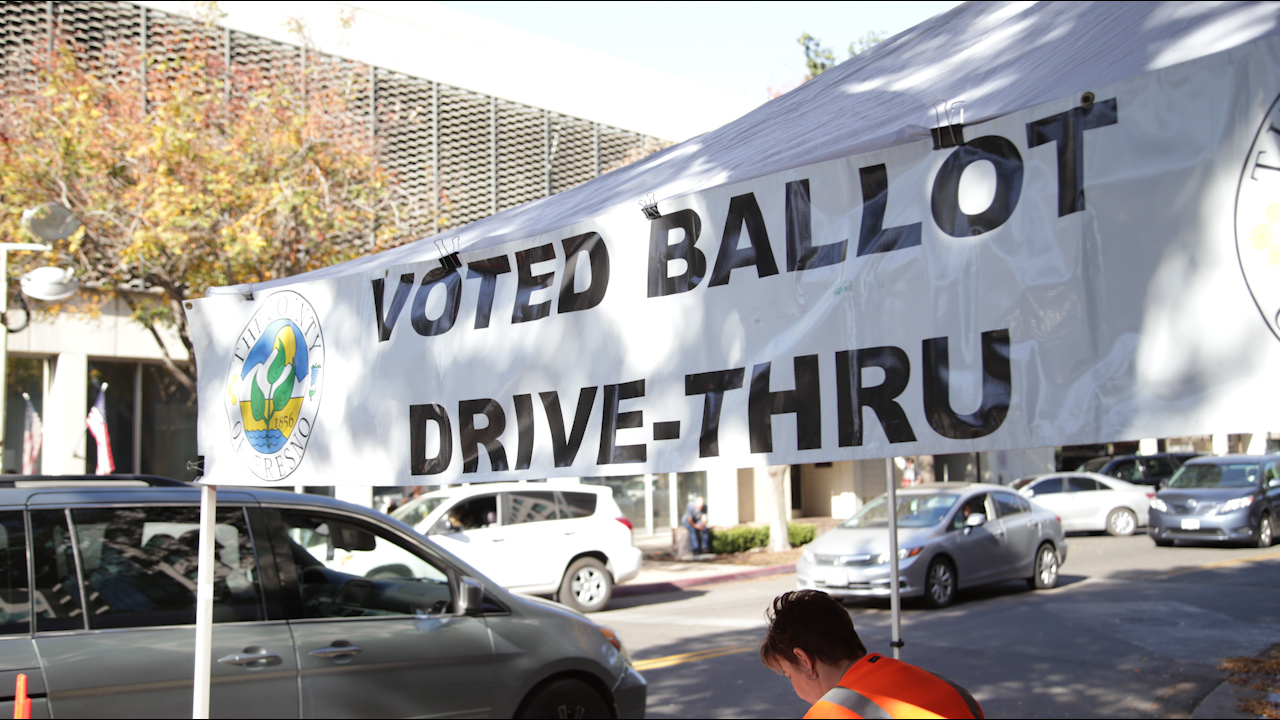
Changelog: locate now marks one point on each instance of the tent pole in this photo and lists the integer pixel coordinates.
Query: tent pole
(895, 592)
(204, 603)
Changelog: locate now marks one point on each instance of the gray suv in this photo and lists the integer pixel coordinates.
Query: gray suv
(322, 609)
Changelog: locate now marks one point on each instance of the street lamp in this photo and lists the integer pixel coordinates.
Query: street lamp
(49, 222)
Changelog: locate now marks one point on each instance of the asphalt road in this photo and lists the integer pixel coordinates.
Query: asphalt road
(1132, 630)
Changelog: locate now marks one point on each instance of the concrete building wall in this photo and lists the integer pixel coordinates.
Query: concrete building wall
(746, 495)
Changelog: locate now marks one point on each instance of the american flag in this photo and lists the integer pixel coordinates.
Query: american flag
(32, 436)
(97, 422)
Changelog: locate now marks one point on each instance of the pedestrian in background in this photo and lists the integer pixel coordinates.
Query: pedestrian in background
(811, 641)
(695, 521)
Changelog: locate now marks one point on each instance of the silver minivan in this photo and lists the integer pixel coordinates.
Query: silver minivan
(322, 609)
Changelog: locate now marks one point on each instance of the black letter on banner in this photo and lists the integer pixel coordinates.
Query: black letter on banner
(419, 463)
(805, 401)
(997, 388)
(801, 254)
(661, 253)
(946, 187)
(488, 271)
(598, 254)
(453, 289)
(874, 237)
(1067, 130)
(470, 439)
(565, 450)
(611, 421)
(743, 209)
(713, 385)
(524, 430)
(527, 284)
(388, 321)
(851, 397)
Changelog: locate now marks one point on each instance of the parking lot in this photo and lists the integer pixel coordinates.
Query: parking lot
(1131, 631)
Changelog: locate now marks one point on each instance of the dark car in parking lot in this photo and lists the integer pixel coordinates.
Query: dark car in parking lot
(1154, 470)
(1227, 499)
(321, 609)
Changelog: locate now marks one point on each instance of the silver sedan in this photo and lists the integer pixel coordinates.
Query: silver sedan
(1091, 502)
(950, 536)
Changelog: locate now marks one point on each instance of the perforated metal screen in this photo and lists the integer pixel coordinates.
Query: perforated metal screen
(457, 155)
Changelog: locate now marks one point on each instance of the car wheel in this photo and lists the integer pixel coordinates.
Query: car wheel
(1121, 522)
(1046, 575)
(940, 584)
(566, 698)
(587, 586)
(1265, 534)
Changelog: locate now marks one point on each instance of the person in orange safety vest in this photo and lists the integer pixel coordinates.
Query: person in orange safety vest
(812, 642)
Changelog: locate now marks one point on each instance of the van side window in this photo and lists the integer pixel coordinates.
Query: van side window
(139, 566)
(346, 569)
(477, 512)
(529, 506)
(577, 504)
(57, 589)
(15, 599)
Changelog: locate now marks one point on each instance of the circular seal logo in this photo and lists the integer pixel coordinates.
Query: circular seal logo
(273, 385)
(1258, 219)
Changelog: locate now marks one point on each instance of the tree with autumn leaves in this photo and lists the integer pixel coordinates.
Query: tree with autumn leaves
(188, 175)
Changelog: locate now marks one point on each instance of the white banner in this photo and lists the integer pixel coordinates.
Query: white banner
(1099, 268)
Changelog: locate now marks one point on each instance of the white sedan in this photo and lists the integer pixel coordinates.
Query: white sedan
(1090, 502)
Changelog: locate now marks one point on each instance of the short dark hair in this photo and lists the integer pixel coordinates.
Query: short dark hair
(814, 622)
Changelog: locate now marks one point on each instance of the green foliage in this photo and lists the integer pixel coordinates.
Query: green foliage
(203, 175)
(820, 59)
(744, 537)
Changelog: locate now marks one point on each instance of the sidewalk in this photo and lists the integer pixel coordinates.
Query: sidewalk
(659, 576)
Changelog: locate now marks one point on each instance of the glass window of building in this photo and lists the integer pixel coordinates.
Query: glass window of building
(24, 375)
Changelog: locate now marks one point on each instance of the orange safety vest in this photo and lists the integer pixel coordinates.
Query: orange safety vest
(881, 687)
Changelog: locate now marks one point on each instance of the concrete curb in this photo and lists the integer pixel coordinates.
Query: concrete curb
(1224, 702)
(686, 583)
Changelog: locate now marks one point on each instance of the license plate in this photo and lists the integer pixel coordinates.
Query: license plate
(837, 578)
(1190, 523)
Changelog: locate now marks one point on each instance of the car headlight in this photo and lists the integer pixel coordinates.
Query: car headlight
(1234, 505)
(1158, 504)
(809, 557)
(903, 554)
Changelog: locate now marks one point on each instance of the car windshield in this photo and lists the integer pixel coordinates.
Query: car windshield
(415, 511)
(1094, 465)
(1213, 476)
(914, 510)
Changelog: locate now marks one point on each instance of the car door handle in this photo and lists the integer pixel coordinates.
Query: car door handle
(251, 657)
(335, 651)
(497, 539)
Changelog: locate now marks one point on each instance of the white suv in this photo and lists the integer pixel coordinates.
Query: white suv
(568, 541)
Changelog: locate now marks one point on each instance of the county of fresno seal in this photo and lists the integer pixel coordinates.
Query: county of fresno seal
(273, 385)
(1258, 218)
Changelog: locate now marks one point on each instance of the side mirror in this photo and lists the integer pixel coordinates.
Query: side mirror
(975, 520)
(1275, 483)
(1029, 493)
(471, 600)
(440, 528)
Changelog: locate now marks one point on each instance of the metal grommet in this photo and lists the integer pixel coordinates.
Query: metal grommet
(187, 305)
(1086, 99)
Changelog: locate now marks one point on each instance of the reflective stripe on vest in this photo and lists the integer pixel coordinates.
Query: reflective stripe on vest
(856, 702)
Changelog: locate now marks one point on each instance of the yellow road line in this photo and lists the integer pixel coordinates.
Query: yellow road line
(669, 660)
(1218, 564)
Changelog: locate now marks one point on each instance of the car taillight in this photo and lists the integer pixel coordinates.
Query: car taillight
(1058, 518)
(1151, 494)
(626, 522)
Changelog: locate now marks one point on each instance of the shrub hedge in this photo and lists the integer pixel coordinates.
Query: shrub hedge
(745, 537)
